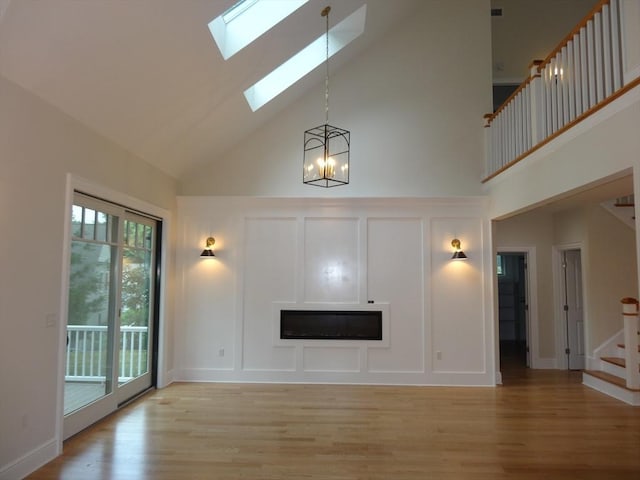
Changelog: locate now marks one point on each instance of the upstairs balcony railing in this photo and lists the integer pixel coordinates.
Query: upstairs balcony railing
(581, 75)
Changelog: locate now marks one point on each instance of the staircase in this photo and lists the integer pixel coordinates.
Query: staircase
(613, 377)
(623, 208)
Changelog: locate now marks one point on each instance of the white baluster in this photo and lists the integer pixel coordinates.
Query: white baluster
(598, 48)
(554, 94)
(577, 74)
(584, 70)
(562, 84)
(92, 336)
(140, 345)
(616, 49)
(569, 80)
(68, 361)
(100, 340)
(591, 76)
(606, 51)
(84, 352)
(131, 354)
(123, 349)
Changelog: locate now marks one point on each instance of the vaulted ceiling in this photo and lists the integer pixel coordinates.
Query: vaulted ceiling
(147, 75)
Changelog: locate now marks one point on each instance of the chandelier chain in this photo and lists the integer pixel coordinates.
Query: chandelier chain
(326, 76)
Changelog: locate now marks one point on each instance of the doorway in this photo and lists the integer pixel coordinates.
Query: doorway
(513, 310)
(112, 313)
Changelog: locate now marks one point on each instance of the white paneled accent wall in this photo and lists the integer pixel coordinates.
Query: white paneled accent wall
(392, 255)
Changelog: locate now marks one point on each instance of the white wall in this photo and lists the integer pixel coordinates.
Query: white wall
(38, 147)
(535, 229)
(332, 253)
(608, 262)
(611, 255)
(413, 103)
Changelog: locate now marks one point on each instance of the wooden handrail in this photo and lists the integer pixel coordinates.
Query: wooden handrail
(491, 116)
(628, 87)
(596, 9)
(540, 64)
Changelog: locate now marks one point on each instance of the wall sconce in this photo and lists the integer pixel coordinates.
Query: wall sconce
(208, 250)
(458, 254)
(557, 74)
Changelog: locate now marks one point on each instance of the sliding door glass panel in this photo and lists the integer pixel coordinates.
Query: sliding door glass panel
(91, 308)
(136, 298)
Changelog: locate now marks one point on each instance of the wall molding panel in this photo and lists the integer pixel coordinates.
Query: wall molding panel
(392, 255)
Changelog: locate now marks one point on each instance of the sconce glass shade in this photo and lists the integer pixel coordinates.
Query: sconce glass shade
(458, 254)
(326, 156)
(208, 251)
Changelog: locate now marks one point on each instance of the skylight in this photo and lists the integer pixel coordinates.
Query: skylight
(237, 9)
(247, 20)
(306, 60)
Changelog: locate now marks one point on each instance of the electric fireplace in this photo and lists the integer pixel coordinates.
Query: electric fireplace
(331, 324)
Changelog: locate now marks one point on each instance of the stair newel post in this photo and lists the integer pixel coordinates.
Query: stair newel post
(632, 357)
(537, 104)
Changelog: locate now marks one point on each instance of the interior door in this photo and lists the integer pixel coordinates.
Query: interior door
(574, 315)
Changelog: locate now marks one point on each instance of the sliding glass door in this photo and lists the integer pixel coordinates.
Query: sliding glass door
(110, 310)
(136, 294)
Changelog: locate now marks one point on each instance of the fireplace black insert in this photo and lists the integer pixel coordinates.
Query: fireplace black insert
(331, 324)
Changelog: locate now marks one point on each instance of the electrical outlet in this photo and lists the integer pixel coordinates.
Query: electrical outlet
(438, 355)
(221, 352)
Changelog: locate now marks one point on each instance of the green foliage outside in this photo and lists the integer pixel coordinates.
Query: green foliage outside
(89, 284)
(135, 288)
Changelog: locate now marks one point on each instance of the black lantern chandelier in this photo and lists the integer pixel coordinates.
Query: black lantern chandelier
(326, 148)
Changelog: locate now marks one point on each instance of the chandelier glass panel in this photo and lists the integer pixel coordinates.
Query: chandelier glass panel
(326, 147)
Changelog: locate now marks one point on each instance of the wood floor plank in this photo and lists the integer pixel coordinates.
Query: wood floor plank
(545, 425)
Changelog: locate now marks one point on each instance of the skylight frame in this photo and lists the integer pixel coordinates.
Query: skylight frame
(237, 9)
(306, 60)
(249, 22)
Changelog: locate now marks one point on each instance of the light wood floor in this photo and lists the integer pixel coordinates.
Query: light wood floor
(539, 425)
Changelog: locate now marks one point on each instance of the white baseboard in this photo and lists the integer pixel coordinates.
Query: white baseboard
(30, 462)
(544, 363)
(328, 377)
(167, 379)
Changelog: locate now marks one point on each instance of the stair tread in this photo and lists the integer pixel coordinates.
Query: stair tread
(621, 345)
(607, 377)
(616, 361)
